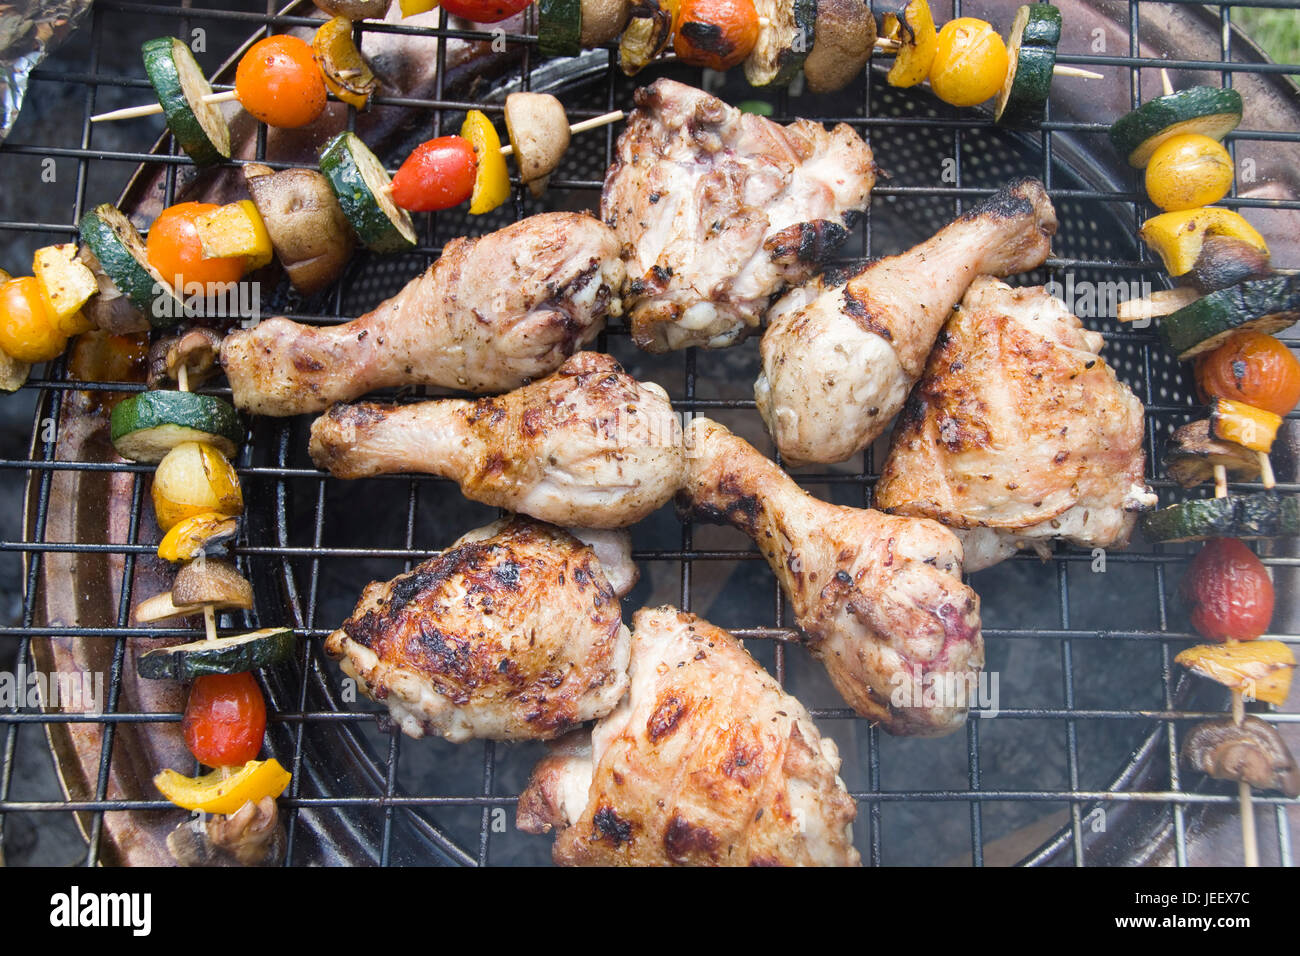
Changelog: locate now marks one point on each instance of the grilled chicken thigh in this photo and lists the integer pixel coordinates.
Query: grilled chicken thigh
(1018, 433)
(706, 762)
(838, 361)
(879, 598)
(491, 314)
(588, 446)
(717, 210)
(512, 633)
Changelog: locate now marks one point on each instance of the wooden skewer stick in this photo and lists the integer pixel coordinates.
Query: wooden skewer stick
(1249, 841)
(1266, 470)
(210, 622)
(1166, 84)
(893, 46)
(149, 109)
(603, 120)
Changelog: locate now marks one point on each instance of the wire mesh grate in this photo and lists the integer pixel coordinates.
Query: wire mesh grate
(1100, 709)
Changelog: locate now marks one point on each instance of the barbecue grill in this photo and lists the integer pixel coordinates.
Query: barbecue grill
(1079, 764)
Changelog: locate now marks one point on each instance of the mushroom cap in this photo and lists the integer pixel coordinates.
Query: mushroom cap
(539, 132)
(1253, 752)
(211, 581)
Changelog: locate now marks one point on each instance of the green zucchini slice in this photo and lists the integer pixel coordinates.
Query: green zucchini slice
(1265, 514)
(1262, 305)
(784, 43)
(1208, 110)
(147, 426)
(361, 184)
(225, 655)
(1035, 32)
(559, 27)
(199, 127)
(120, 253)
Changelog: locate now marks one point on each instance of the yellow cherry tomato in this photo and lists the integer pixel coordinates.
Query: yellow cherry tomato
(970, 62)
(29, 331)
(194, 478)
(1188, 171)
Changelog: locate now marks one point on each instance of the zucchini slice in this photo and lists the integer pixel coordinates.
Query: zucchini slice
(121, 255)
(225, 655)
(784, 43)
(559, 27)
(147, 426)
(1263, 305)
(1265, 514)
(1207, 110)
(1035, 32)
(199, 127)
(361, 183)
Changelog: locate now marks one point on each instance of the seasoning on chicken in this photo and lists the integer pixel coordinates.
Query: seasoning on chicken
(1018, 432)
(879, 598)
(512, 633)
(838, 361)
(706, 762)
(717, 210)
(491, 314)
(589, 446)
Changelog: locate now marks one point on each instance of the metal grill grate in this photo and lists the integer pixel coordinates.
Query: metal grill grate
(1080, 765)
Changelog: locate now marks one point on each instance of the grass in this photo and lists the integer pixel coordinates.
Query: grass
(1277, 31)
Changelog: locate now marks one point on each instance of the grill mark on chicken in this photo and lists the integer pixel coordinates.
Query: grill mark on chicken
(706, 756)
(492, 638)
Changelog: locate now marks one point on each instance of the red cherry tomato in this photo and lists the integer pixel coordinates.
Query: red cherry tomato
(439, 174)
(1229, 590)
(225, 719)
(174, 249)
(484, 11)
(279, 82)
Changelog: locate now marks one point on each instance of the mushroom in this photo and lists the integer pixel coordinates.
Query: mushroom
(311, 236)
(251, 836)
(110, 309)
(842, 43)
(1253, 752)
(539, 133)
(354, 9)
(195, 350)
(1225, 261)
(603, 21)
(211, 581)
(1192, 453)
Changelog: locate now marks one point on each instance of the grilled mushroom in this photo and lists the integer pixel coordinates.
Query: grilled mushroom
(354, 9)
(196, 351)
(1224, 261)
(212, 581)
(539, 132)
(1192, 453)
(1253, 752)
(603, 21)
(251, 836)
(311, 236)
(842, 44)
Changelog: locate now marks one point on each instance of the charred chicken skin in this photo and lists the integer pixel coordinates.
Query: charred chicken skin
(838, 361)
(1018, 432)
(491, 314)
(879, 598)
(705, 762)
(717, 210)
(589, 446)
(512, 633)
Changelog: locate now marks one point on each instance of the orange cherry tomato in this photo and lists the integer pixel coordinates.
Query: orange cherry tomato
(439, 174)
(225, 719)
(717, 34)
(1254, 368)
(1229, 591)
(279, 82)
(28, 330)
(175, 250)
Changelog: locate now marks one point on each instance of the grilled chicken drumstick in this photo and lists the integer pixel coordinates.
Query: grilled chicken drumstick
(706, 762)
(1018, 433)
(717, 210)
(515, 632)
(589, 446)
(838, 361)
(880, 598)
(491, 314)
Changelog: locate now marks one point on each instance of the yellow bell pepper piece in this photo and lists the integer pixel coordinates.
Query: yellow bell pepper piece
(235, 230)
(215, 793)
(1177, 237)
(67, 283)
(1260, 669)
(912, 63)
(410, 8)
(492, 183)
(1254, 428)
(186, 539)
(344, 69)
